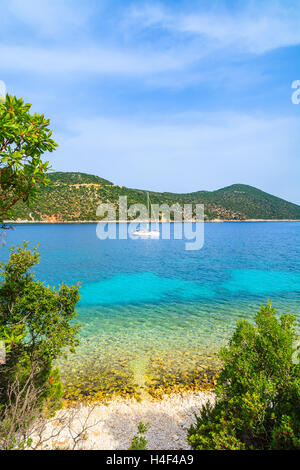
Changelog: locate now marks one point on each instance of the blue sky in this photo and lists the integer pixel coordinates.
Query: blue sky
(167, 95)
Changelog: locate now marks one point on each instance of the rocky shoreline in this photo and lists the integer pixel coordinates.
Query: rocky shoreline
(143, 221)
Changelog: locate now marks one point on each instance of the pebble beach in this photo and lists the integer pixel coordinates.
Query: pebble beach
(112, 425)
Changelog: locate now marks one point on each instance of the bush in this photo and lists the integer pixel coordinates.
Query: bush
(36, 326)
(258, 389)
(139, 442)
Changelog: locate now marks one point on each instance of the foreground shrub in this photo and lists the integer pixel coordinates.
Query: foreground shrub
(258, 389)
(139, 442)
(36, 326)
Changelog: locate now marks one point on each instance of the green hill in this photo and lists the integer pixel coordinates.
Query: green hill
(61, 177)
(76, 196)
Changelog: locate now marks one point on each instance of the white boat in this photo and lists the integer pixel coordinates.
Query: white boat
(146, 232)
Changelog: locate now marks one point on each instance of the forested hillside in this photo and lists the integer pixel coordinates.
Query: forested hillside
(76, 196)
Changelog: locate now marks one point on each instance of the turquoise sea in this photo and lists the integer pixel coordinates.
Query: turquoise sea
(149, 308)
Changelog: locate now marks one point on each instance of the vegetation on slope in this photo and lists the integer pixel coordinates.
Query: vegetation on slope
(36, 327)
(258, 389)
(247, 202)
(76, 196)
(61, 177)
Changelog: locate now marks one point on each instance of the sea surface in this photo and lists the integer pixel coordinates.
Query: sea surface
(153, 312)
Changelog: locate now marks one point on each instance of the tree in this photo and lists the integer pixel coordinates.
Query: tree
(36, 326)
(24, 138)
(258, 390)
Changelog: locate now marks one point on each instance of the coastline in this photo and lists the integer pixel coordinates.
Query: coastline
(112, 425)
(95, 222)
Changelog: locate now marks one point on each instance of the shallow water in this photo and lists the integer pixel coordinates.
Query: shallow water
(150, 309)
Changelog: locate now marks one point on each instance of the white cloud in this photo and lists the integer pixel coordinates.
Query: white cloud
(90, 59)
(246, 30)
(50, 17)
(186, 152)
(257, 28)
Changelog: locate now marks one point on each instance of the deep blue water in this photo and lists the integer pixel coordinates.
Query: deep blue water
(148, 297)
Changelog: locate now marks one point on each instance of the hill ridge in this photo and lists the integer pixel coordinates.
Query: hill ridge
(75, 196)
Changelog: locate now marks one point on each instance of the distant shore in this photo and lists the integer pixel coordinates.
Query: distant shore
(79, 222)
